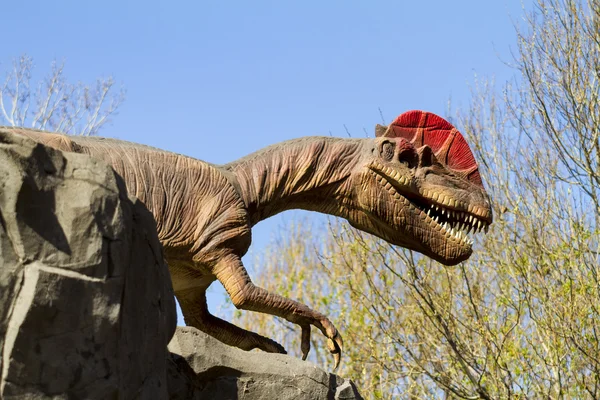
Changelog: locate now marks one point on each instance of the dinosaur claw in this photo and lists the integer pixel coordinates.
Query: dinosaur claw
(336, 359)
(339, 342)
(305, 343)
(335, 346)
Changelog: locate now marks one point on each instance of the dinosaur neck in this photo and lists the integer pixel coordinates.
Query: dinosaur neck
(309, 173)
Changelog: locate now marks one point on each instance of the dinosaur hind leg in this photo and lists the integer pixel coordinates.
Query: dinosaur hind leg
(195, 312)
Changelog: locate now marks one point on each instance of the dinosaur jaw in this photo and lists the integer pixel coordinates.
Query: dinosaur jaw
(438, 223)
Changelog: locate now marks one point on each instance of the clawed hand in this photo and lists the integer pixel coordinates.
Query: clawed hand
(335, 344)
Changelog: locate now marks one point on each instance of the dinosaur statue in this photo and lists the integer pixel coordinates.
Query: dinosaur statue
(416, 185)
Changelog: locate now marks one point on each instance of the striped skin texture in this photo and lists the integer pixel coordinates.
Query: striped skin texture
(415, 185)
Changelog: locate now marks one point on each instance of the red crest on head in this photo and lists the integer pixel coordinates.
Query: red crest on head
(450, 147)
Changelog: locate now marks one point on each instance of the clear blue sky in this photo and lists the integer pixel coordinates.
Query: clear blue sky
(217, 80)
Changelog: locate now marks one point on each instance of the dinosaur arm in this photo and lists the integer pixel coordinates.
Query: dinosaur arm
(195, 311)
(246, 296)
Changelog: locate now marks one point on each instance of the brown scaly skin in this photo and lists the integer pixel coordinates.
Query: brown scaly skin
(204, 213)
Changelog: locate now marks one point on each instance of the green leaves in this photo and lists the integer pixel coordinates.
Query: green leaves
(521, 318)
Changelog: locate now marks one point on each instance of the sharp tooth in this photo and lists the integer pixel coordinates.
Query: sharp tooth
(487, 228)
(479, 225)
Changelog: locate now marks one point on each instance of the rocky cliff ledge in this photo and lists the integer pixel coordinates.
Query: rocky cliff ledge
(86, 304)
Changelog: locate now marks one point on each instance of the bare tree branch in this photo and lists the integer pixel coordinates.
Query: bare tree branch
(56, 104)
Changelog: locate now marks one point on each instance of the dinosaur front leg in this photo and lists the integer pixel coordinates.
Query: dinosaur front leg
(246, 296)
(195, 312)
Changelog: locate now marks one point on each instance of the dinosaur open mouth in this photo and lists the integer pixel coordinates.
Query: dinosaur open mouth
(453, 222)
(452, 219)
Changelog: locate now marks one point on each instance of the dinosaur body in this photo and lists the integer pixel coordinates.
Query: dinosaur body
(393, 186)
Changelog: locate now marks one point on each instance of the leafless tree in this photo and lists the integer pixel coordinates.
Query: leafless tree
(55, 104)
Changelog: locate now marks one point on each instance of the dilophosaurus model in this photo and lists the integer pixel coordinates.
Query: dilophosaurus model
(415, 185)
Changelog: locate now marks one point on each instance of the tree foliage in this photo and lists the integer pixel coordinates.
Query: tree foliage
(54, 104)
(521, 318)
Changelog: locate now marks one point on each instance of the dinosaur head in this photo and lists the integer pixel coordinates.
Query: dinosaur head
(418, 186)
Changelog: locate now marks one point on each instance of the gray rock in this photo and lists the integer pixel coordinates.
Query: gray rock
(201, 367)
(86, 305)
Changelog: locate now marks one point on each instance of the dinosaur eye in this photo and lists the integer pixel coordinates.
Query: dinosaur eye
(387, 151)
